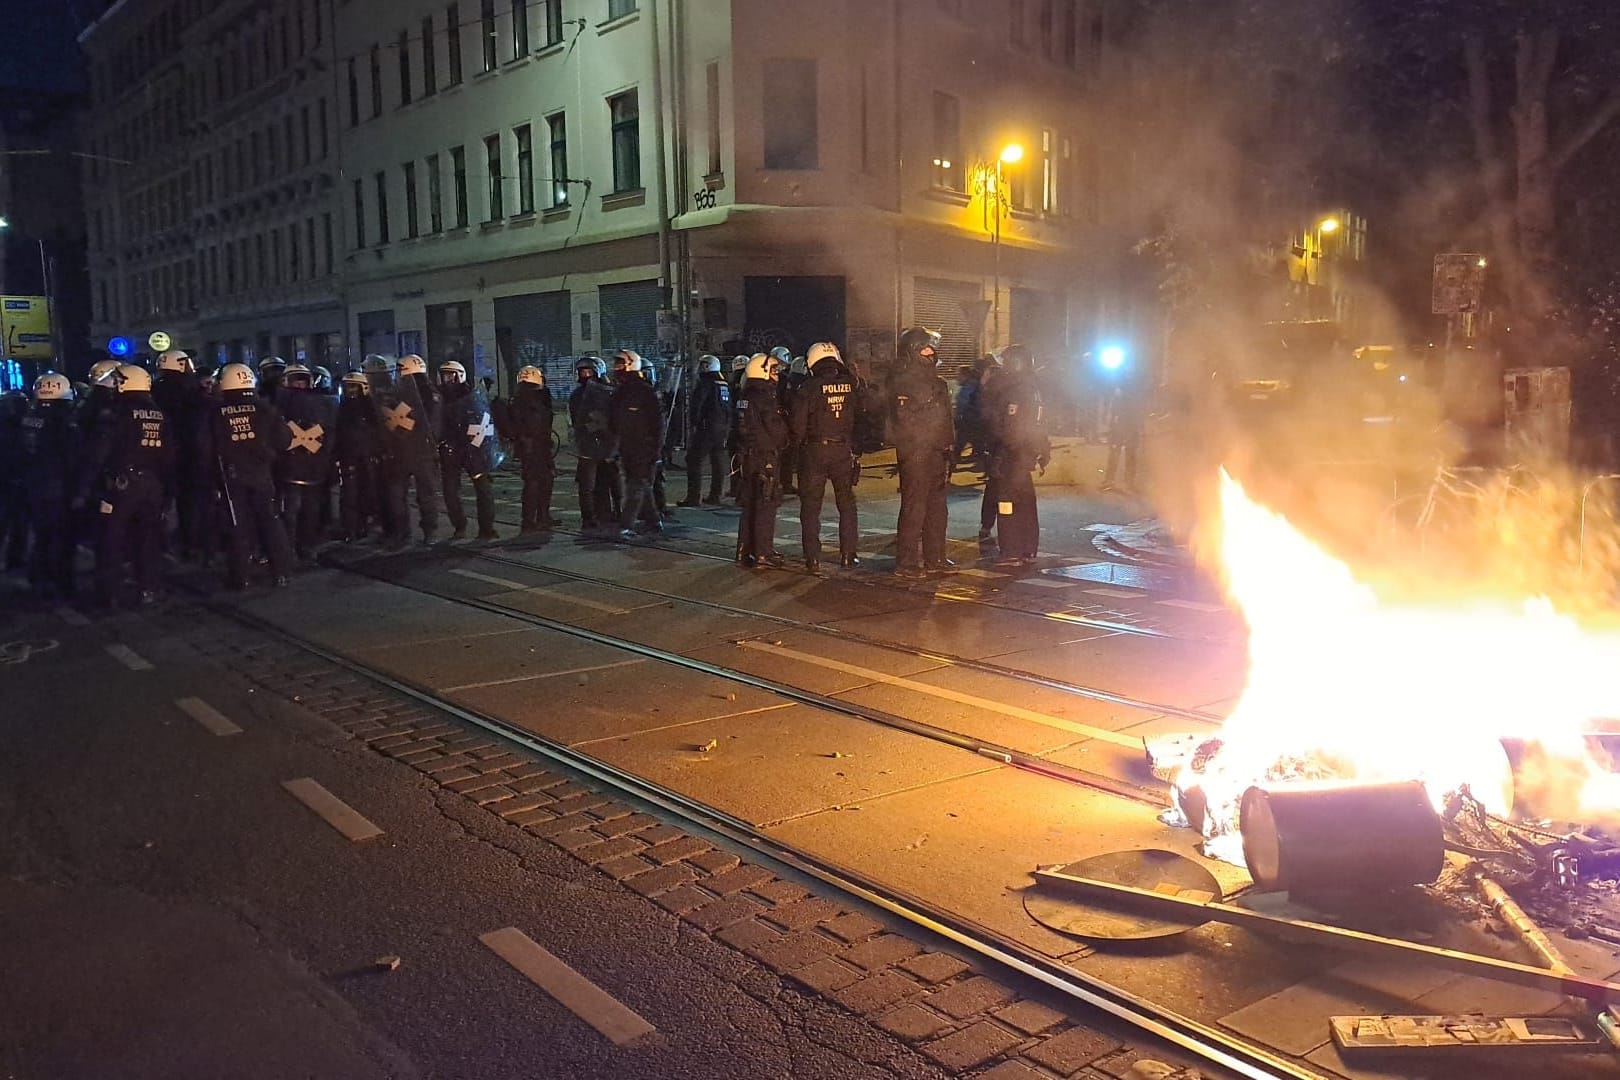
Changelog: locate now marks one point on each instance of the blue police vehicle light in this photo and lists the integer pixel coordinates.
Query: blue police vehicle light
(119, 346)
(1111, 357)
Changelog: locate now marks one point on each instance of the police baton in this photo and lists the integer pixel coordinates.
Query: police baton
(225, 488)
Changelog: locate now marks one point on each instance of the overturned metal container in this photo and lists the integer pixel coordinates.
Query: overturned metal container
(1334, 838)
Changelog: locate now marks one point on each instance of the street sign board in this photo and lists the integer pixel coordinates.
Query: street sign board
(159, 341)
(25, 327)
(1459, 283)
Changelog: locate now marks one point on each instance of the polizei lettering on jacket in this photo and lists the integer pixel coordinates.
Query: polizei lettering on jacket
(835, 393)
(239, 421)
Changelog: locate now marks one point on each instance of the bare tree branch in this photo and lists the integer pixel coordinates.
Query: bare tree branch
(1594, 125)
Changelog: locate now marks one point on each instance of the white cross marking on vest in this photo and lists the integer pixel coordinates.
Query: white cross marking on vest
(398, 417)
(483, 429)
(306, 438)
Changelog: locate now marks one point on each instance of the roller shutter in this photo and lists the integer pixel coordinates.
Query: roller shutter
(956, 309)
(537, 329)
(629, 318)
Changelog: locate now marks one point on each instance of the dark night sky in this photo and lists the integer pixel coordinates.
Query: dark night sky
(41, 52)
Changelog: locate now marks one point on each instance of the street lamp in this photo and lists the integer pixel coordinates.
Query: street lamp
(1011, 154)
(1329, 225)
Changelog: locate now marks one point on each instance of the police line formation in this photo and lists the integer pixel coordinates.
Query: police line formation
(246, 463)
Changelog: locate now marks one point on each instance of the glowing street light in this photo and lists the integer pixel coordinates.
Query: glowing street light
(1329, 225)
(1111, 357)
(1011, 154)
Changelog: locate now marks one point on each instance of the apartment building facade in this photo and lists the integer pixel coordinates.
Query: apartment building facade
(510, 181)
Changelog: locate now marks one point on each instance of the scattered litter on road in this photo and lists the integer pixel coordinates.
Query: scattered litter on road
(386, 963)
(710, 745)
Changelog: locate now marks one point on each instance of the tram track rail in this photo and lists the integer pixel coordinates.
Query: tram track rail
(1201, 1040)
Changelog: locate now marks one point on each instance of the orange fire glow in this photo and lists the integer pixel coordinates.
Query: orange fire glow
(1384, 690)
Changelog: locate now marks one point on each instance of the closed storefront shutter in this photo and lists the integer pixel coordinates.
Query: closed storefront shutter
(630, 317)
(536, 329)
(955, 309)
(377, 332)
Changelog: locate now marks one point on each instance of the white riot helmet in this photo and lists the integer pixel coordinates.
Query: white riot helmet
(323, 378)
(271, 364)
(355, 383)
(761, 366)
(177, 361)
(452, 371)
(377, 364)
(411, 364)
(531, 375)
(236, 377)
(53, 387)
(708, 363)
(102, 371)
(782, 356)
(133, 379)
(630, 358)
(821, 350)
(739, 363)
(297, 375)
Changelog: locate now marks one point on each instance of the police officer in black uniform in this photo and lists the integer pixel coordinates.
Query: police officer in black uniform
(409, 411)
(49, 447)
(1011, 410)
(823, 418)
(922, 430)
(13, 489)
(178, 392)
(466, 445)
(762, 435)
(711, 427)
(635, 416)
(311, 417)
(529, 418)
(244, 434)
(130, 469)
(359, 454)
(588, 408)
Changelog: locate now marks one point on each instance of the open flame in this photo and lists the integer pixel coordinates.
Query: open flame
(1369, 688)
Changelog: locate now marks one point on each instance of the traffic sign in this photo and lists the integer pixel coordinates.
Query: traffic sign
(1459, 283)
(159, 341)
(118, 346)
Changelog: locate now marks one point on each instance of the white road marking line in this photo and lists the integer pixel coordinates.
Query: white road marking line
(490, 580)
(1123, 594)
(1192, 605)
(71, 617)
(128, 657)
(208, 716)
(974, 571)
(949, 695)
(332, 810)
(583, 998)
(540, 675)
(1048, 583)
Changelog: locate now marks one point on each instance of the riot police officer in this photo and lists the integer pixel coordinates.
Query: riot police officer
(130, 467)
(762, 436)
(529, 416)
(245, 434)
(272, 370)
(409, 413)
(588, 408)
(1011, 409)
(924, 438)
(13, 489)
(178, 392)
(635, 417)
(359, 452)
(711, 427)
(823, 423)
(49, 446)
(311, 418)
(466, 445)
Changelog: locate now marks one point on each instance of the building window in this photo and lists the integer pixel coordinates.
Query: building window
(452, 42)
(318, 27)
(309, 243)
(376, 81)
(551, 13)
(492, 165)
(525, 164)
(520, 28)
(326, 144)
(359, 215)
(1016, 177)
(947, 170)
(1017, 26)
(1047, 20)
(1068, 33)
(276, 267)
(790, 114)
(711, 82)
(260, 276)
(435, 214)
(326, 240)
(404, 48)
(458, 172)
(557, 129)
(618, 9)
(486, 22)
(625, 112)
(303, 131)
(411, 224)
(430, 57)
(382, 207)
